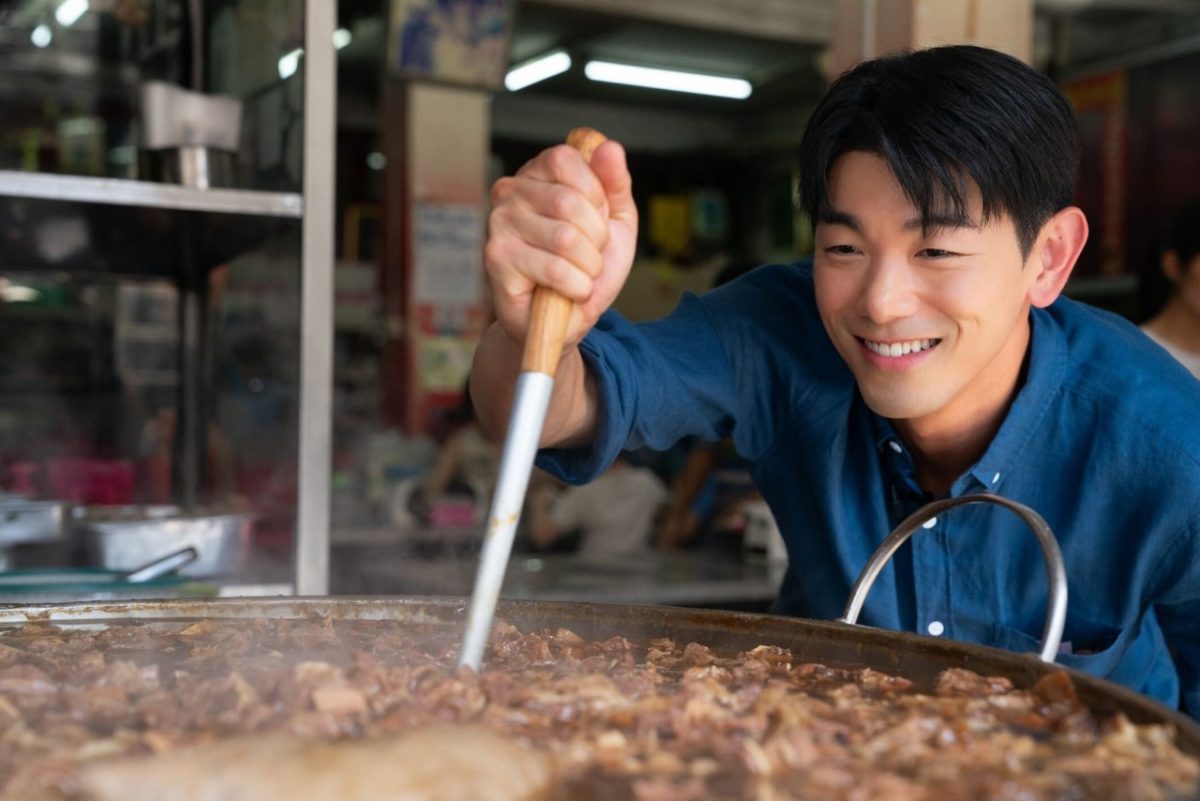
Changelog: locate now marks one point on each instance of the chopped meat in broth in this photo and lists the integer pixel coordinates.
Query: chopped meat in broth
(597, 720)
(462, 762)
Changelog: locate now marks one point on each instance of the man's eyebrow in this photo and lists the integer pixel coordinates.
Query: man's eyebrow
(831, 216)
(935, 222)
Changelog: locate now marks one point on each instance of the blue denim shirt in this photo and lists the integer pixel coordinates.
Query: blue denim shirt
(1103, 439)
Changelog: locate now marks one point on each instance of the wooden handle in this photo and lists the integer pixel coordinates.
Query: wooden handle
(550, 311)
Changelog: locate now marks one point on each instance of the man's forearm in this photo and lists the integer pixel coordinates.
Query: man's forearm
(571, 416)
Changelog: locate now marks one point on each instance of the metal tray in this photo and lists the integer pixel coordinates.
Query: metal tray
(23, 521)
(221, 541)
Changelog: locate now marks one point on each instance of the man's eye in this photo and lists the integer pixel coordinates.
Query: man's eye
(936, 253)
(842, 250)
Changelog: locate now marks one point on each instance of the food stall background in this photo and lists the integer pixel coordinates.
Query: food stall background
(151, 365)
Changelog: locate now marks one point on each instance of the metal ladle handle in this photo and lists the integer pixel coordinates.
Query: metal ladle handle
(161, 566)
(1056, 612)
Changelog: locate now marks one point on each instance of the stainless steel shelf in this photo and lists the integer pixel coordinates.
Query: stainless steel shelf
(121, 192)
(71, 234)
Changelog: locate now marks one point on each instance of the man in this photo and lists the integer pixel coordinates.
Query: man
(925, 353)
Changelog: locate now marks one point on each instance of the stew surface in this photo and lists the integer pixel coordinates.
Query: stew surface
(653, 721)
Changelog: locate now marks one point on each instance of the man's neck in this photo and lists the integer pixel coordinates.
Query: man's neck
(941, 457)
(945, 444)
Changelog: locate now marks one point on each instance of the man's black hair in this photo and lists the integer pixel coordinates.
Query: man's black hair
(943, 117)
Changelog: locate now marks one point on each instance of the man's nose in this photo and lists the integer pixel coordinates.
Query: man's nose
(889, 292)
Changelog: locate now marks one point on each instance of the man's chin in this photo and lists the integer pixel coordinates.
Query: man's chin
(898, 405)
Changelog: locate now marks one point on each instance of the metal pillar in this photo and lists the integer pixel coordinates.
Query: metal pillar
(316, 299)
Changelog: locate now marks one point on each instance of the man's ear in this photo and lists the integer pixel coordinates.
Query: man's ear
(1054, 254)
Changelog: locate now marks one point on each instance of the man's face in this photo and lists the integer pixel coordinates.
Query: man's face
(933, 324)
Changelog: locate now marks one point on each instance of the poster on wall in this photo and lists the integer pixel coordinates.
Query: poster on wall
(458, 41)
(447, 305)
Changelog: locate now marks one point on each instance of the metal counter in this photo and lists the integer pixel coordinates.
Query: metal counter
(383, 562)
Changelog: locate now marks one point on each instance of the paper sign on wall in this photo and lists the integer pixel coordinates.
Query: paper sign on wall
(448, 255)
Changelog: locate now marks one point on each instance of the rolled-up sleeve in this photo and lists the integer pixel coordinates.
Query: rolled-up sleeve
(655, 384)
(733, 362)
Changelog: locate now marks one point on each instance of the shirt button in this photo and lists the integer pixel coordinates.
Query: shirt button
(936, 628)
(995, 478)
(930, 523)
(895, 446)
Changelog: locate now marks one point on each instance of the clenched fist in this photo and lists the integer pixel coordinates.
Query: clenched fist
(562, 223)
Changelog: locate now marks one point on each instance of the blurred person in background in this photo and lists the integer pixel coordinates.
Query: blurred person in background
(714, 481)
(614, 514)
(1175, 276)
(467, 464)
(706, 496)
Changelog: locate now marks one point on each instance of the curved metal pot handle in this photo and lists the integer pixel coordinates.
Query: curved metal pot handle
(1056, 613)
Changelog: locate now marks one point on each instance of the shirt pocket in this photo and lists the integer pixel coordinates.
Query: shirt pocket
(1107, 654)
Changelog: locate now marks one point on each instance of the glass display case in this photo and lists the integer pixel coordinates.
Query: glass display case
(166, 213)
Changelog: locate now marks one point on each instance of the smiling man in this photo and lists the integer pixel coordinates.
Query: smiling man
(924, 353)
(930, 309)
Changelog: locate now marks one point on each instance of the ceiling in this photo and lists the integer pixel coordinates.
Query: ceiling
(784, 74)
(781, 71)
(1078, 36)
(775, 44)
(782, 65)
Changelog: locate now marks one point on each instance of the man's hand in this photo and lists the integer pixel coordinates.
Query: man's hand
(565, 224)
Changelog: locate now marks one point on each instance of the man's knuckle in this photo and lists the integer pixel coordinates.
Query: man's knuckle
(555, 271)
(501, 189)
(562, 204)
(493, 253)
(564, 238)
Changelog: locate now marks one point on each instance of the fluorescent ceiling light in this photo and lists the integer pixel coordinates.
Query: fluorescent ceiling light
(69, 12)
(694, 82)
(537, 69)
(289, 63)
(42, 36)
(341, 38)
(16, 293)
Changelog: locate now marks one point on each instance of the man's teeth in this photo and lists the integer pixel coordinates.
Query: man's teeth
(894, 349)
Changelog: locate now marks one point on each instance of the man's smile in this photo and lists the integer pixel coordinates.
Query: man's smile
(899, 354)
(899, 348)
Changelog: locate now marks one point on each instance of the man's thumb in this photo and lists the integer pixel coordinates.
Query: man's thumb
(608, 162)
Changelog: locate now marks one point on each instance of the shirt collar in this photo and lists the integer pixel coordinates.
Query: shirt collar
(1043, 377)
(1043, 380)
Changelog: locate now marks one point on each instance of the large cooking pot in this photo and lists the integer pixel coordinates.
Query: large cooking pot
(917, 658)
(838, 643)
